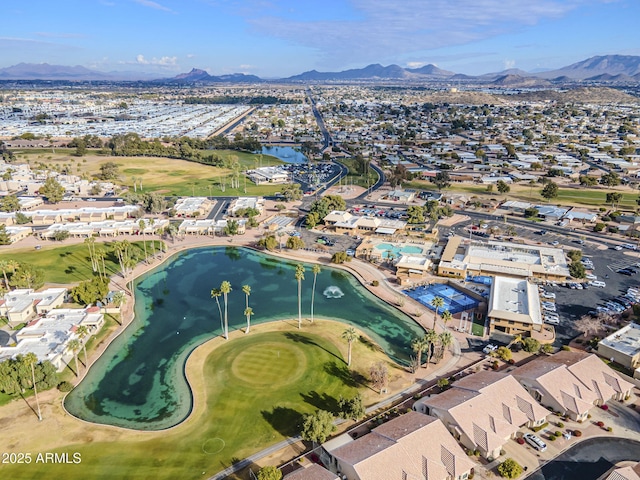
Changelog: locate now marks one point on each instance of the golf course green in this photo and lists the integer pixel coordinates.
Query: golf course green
(249, 392)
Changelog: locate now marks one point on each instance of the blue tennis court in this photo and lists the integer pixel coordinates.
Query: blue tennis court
(454, 300)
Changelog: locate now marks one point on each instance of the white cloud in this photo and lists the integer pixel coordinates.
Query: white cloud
(163, 61)
(388, 28)
(154, 5)
(59, 35)
(509, 64)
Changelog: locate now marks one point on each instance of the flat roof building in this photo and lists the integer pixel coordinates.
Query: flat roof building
(514, 306)
(622, 346)
(462, 257)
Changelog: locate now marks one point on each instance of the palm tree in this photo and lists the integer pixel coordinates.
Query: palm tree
(436, 302)
(83, 332)
(299, 277)
(91, 245)
(350, 335)
(118, 298)
(446, 317)
(100, 253)
(430, 339)
(248, 312)
(216, 293)
(74, 346)
(246, 289)
(31, 359)
(142, 226)
(316, 270)
(418, 345)
(8, 265)
(445, 339)
(225, 288)
(4, 268)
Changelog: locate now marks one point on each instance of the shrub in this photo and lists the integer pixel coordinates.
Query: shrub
(599, 227)
(588, 415)
(600, 424)
(540, 427)
(577, 433)
(560, 425)
(552, 438)
(530, 345)
(609, 429)
(566, 348)
(375, 283)
(510, 468)
(65, 386)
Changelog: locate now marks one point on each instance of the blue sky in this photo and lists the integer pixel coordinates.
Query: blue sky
(277, 38)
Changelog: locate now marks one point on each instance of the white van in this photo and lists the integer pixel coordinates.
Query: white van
(597, 283)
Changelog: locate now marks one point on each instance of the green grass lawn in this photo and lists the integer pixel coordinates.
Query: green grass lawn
(477, 329)
(168, 176)
(590, 197)
(356, 178)
(70, 263)
(257, 389)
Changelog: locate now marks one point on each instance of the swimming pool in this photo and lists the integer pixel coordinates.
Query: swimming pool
(397, 250)
(454, 300)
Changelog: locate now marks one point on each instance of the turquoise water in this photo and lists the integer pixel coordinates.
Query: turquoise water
(139, 382)
(286, 154)
(396, 250)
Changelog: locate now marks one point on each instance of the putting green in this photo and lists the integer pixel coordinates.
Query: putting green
(269, 363)
(250, 392)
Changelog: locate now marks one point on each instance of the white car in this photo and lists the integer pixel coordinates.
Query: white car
(549, 308)
(591, 276)
(597, 283)
(552, 320)
(490, 348)
(535, 441)
(548, 295)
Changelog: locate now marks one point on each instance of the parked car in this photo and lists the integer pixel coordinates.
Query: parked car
(535, 441)
(548, 295)
(597, 283)
(552, 320)
(490, 348)
(591, 276)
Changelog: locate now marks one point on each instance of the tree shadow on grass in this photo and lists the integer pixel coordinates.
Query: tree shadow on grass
(348, 377)
(296, 337)
(285, 421)
(321, 401)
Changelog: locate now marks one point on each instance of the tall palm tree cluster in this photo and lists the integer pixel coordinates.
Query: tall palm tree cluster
(433, 344)
(225, 288)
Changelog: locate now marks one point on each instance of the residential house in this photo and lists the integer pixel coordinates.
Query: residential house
(21, 305)
(48, 337)
(312, 471)
(412, 445)
(484, 410)
(572, 382)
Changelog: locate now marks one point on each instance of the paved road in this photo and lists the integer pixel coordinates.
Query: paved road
(589, 459)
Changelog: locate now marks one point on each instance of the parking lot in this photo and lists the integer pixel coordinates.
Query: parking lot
(570, 303)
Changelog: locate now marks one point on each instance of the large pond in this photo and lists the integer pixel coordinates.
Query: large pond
(139, 381)
(286, 154)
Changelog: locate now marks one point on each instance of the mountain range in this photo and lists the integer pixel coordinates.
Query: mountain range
(607, 68)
